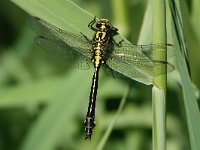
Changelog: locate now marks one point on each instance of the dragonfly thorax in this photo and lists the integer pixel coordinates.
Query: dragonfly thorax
(100, 44)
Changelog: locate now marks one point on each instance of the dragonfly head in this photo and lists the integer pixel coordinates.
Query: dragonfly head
(104, 24)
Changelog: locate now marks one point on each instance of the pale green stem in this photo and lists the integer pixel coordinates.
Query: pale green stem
(159, 89)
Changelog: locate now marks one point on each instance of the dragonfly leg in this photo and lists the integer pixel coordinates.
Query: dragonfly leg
(109, 70)
(90, 25)
(114, 31)
(119, 44)
(87, 39)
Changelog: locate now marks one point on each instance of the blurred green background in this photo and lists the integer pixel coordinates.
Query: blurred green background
(43, 102)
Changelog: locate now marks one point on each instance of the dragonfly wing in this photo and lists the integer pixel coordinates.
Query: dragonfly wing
(83, 64)
(56, 47)
(140, 60)
(39, 28)
(160, 67)
(148, 49)
(133, 57)
(128, 70)
(133, 63)
(78, 42)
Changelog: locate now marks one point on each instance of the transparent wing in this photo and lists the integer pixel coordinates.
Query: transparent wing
(83, 64)
(159, 47)
(56, 47)
(140, 60)
(133, 63)
(129, 71)
(147, 49)
(77, 42)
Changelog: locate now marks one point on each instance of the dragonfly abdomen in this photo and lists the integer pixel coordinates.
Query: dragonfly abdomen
(89, 121)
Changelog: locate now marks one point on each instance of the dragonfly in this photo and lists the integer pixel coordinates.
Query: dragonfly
(133, 61)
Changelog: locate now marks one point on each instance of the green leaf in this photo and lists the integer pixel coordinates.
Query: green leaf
(190, 101)
(23, 95)
(63, 14)
(57, 118)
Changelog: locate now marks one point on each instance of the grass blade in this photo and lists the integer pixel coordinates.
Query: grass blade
(190, 101)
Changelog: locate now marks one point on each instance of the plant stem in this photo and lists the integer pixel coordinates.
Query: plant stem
(159, 88)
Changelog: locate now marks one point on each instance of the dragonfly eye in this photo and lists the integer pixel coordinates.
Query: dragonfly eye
(98, 25)
(108, 25)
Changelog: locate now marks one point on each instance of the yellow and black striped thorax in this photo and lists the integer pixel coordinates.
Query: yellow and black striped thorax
(100, 41)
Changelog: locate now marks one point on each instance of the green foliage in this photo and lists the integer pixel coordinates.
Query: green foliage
(43, 101)
(190, 102)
